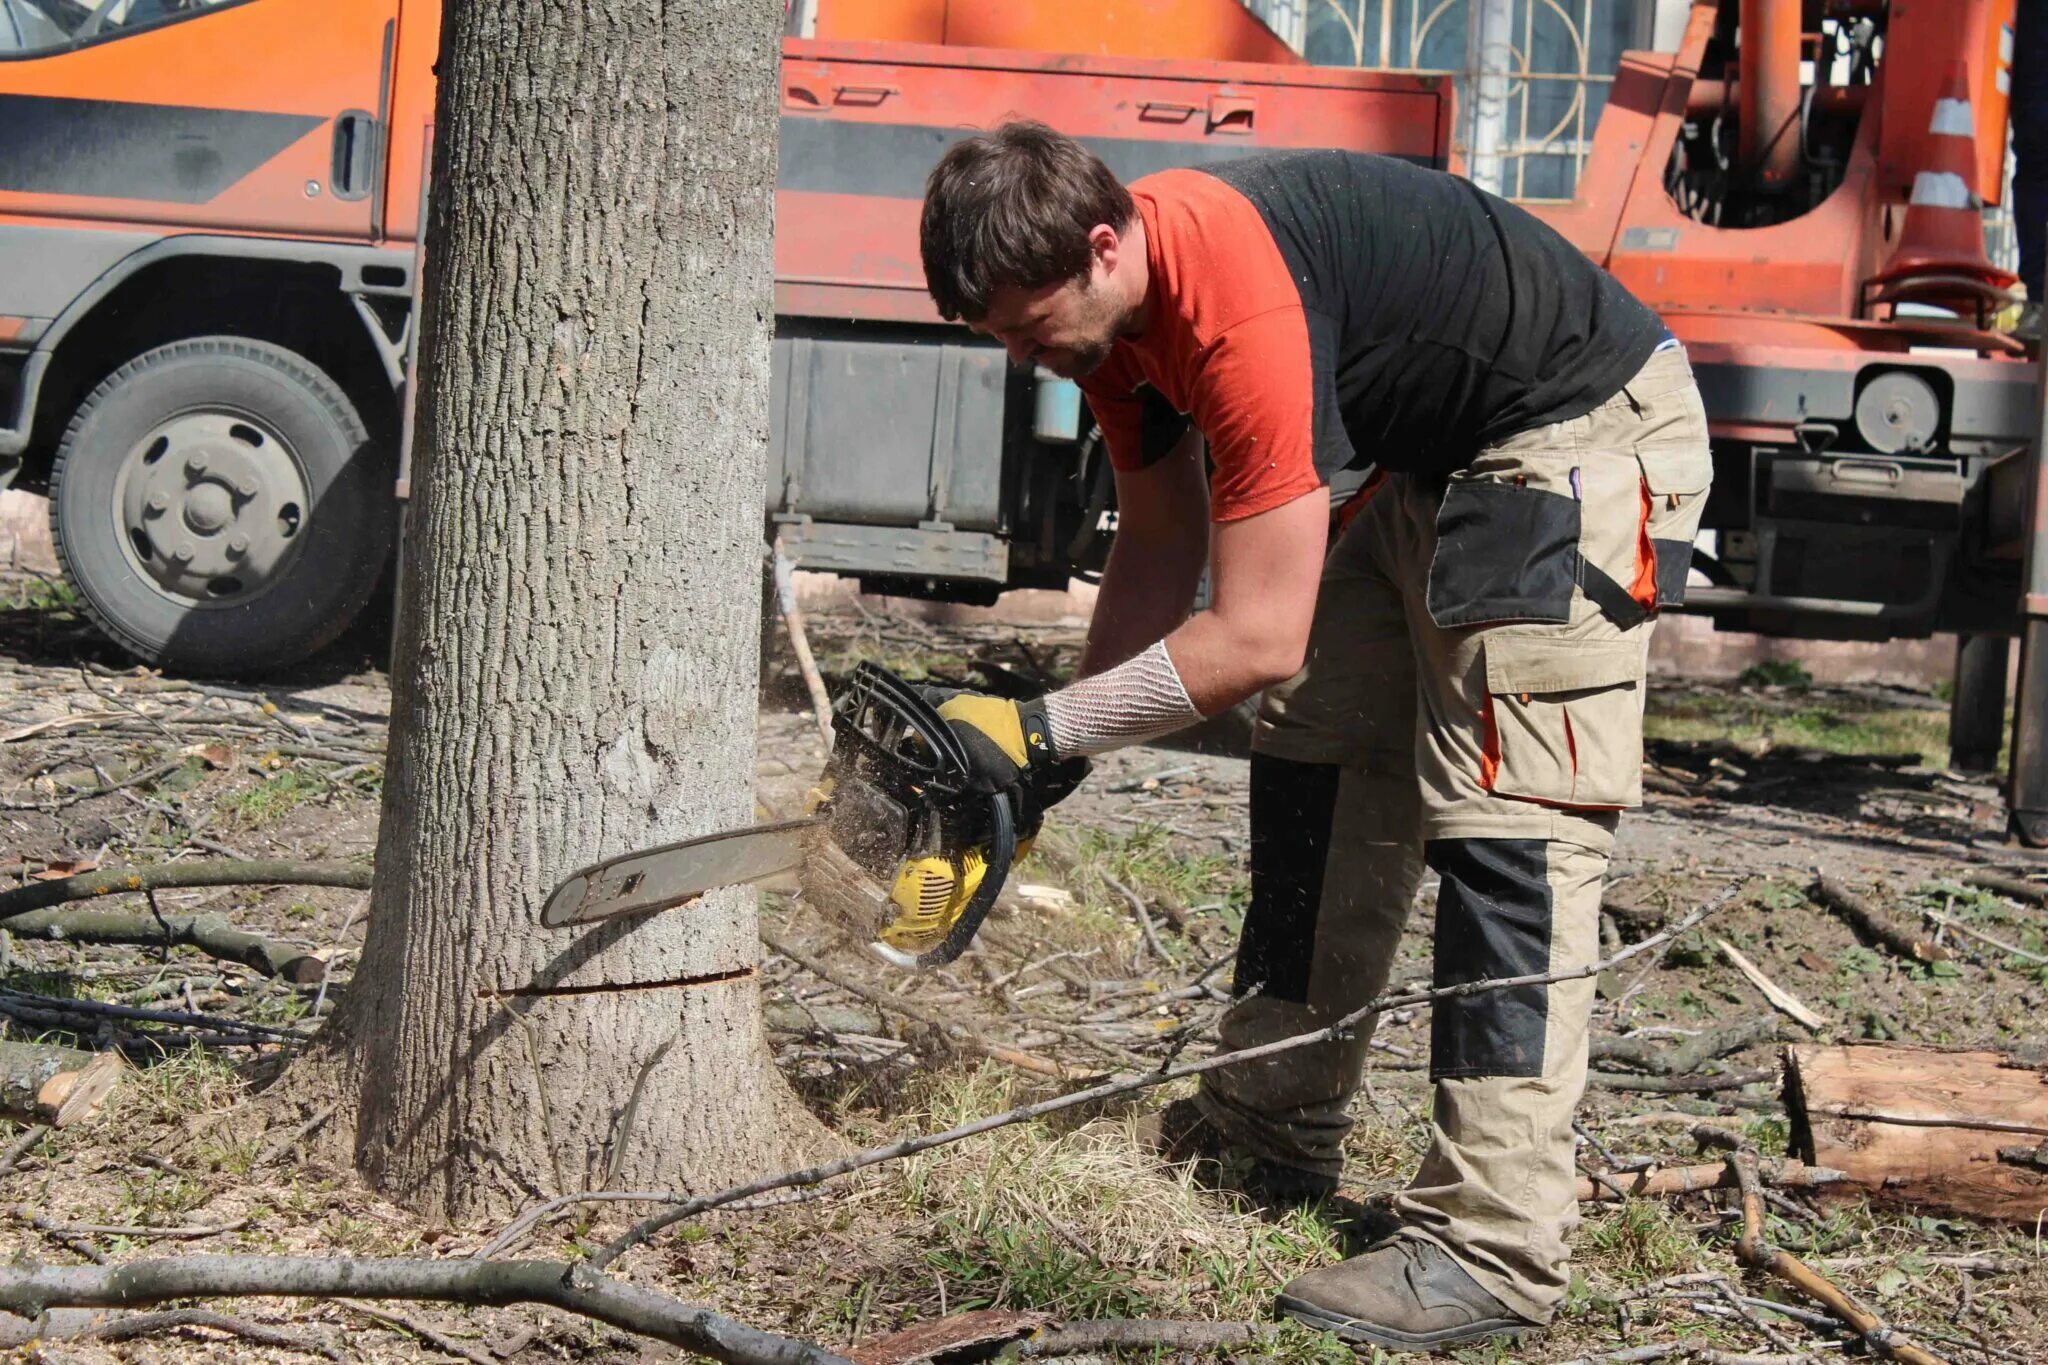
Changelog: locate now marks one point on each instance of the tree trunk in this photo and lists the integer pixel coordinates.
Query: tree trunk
(575, 670)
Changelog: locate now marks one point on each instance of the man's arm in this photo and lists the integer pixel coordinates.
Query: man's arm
(1155, 563)
(1264, 575)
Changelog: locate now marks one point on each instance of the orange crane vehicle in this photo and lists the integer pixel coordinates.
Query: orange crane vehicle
(206, 307)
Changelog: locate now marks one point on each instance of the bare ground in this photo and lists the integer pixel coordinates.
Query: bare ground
(1776, 783)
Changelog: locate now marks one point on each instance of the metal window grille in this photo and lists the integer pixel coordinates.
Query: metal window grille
(1532, 75)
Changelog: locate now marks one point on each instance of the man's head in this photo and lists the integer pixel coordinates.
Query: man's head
(1024, 239)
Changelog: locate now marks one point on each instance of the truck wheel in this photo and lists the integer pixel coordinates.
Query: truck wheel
(218, 507)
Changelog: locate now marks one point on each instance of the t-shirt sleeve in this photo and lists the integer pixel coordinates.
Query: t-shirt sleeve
(1255, 401)
(1139, 425)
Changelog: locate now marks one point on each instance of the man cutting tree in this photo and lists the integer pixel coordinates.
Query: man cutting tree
(1457, 683)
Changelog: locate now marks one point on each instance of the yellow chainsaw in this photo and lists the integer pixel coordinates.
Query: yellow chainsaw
(899, 846)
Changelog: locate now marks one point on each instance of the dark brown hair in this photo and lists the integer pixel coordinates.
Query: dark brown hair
(1013, 208)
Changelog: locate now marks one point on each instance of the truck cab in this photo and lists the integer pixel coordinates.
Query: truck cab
(208, 211)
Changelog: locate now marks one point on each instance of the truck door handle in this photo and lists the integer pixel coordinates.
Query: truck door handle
(1166, 111)
(355, 154)
(1232, 113)
(862, 96)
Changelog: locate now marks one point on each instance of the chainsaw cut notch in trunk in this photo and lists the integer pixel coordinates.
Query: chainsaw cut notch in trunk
(617, 987)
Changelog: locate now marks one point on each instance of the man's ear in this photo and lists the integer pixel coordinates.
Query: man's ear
(1107, 245)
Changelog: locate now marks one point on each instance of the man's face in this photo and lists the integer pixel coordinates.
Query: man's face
(1068, 328)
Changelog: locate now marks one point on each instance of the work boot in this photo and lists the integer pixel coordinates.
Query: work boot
(1403, 1295)
(1185, 1134)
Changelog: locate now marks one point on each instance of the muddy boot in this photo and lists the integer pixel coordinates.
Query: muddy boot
(1185, 1134)
(1403, 1295)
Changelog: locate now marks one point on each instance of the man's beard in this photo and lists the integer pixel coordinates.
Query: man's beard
(1086, 360)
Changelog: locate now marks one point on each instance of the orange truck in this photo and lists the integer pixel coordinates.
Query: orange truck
(206, 303)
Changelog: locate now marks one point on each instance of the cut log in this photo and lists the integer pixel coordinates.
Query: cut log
(1922, 1126)
(55, 1085)
(1875, 924)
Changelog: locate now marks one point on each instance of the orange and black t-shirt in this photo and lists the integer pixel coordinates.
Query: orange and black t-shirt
(1316, 311)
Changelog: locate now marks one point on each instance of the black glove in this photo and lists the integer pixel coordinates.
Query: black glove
(1010, 750)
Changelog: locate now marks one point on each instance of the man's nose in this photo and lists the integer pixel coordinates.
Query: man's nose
(1021, 351)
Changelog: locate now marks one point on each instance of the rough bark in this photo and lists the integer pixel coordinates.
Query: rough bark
(575, 667)
(58, 1086)
(1922, 1126)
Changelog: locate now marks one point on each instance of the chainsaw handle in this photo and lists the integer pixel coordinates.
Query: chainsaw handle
(1002, 851)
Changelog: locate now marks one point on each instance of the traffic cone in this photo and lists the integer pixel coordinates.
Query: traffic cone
(1941, 243)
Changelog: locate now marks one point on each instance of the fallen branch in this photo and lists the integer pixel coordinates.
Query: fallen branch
(79, 1324)
(2033, 892)
(30, 1289)
(44, 1008)
(1676, 1085)
(19, 900)
(138, 1230)
(1781, 999)
(58, 1086)
(1684, 1350)
(1875, 924)
(1688, 1056)
(211, 934)
(1655, 1181)
(1752, 1250)
(1972, 931)
(689, 1207)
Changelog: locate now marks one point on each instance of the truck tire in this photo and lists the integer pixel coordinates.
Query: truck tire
(218, 506)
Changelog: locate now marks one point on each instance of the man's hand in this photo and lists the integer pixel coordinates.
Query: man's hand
(1009, 748)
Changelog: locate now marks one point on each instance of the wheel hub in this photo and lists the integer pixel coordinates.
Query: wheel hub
(213, 504)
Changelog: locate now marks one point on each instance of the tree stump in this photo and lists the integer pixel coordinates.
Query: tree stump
(1923, 1126)
(55, 1085)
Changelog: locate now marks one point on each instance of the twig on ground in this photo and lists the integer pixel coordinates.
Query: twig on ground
(138, 1231)
(1644, 1184)
(1752, 1250)
(1141, 1334)
(1971, 931)
(30, 1289)
(85, 1325)
(440, 1341)
(22, 1145)
(1144, 915)
(26, 1005)
(20, 900)
(689, 1207)
(1781, 999)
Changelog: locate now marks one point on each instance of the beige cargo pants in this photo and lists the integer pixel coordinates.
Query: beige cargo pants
(1472, 700)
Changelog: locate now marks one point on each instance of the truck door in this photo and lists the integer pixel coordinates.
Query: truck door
(158, 116)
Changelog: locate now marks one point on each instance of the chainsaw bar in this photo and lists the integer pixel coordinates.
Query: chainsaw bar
(658, 878)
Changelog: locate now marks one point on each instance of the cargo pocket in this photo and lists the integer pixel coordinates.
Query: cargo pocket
(1564, 721)
(1505, 551)
(1675, 482)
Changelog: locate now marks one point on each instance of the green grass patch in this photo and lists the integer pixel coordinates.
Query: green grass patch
(1843, 725)
(270, 800)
